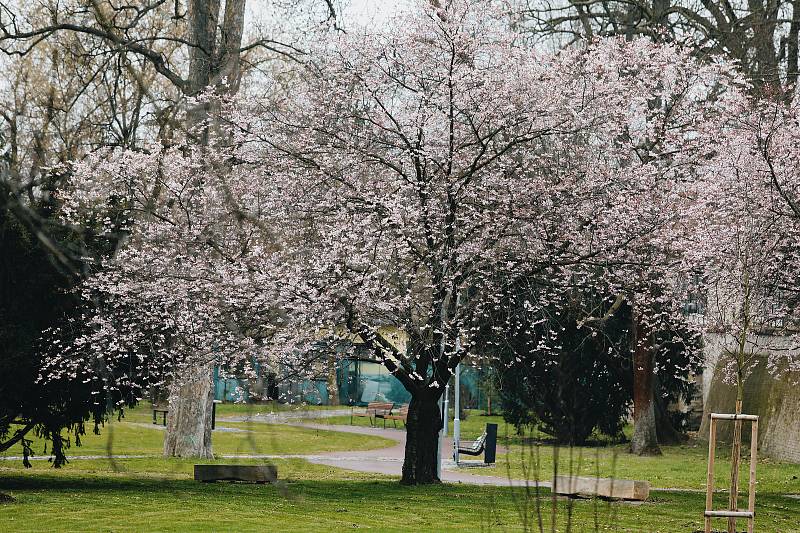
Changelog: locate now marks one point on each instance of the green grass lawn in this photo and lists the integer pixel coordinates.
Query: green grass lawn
(141, 495)
(682, 466)
(158, 494)
(471, 427)
(135, 434)
(234, 409)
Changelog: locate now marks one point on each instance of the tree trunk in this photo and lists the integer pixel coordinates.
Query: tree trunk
(645, 435)
(422, 440)
(189, 417)
(189, 427)
(736, 447)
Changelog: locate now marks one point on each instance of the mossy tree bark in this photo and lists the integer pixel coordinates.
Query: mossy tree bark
(645, 434)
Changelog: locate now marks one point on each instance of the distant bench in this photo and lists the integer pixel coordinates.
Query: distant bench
(374, 410)
(401, 414)
(163, 411)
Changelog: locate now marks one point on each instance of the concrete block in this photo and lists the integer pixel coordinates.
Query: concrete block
(251, 473)
(617, 489)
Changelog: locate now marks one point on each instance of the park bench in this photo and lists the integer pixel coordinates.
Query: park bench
(476, 448)
(401, 414)
(162, 410)
(374, 409)
(486, 444)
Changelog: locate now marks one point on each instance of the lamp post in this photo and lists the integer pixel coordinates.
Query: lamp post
(446, 410)
(457, 413)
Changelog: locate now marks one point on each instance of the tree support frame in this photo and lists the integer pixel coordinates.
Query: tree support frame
(749, 514)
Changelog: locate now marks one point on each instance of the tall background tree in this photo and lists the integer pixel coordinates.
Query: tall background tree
(760, 36)
(572, 378)
(105, 73)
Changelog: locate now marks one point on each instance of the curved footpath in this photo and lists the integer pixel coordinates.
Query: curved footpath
(389, 460)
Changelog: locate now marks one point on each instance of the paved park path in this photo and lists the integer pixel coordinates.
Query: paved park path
(390, 460)
(387, 461)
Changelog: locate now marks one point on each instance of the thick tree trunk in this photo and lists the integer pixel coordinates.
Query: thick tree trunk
(189, 418)
(422, 440)
(645, 435)
(189, 427)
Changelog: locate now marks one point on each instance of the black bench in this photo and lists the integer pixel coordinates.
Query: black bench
(486, 444)
(161, 410)
(476, 448)
(164, 411)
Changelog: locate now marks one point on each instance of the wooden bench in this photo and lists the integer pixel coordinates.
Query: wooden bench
(401, 414)
(374, 409)
(251, 473)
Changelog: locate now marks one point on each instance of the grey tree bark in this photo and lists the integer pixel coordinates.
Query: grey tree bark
(189, 419)
(213, 62)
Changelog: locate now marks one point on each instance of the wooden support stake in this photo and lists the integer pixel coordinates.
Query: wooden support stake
(712, 441)
(736, 459)
(734, 513)
(751, 500)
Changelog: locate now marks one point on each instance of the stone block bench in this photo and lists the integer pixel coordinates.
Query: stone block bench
(250, 473)
(615, 489)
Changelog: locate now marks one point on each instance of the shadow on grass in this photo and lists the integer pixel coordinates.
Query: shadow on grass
(146, 503)
(344, 490)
